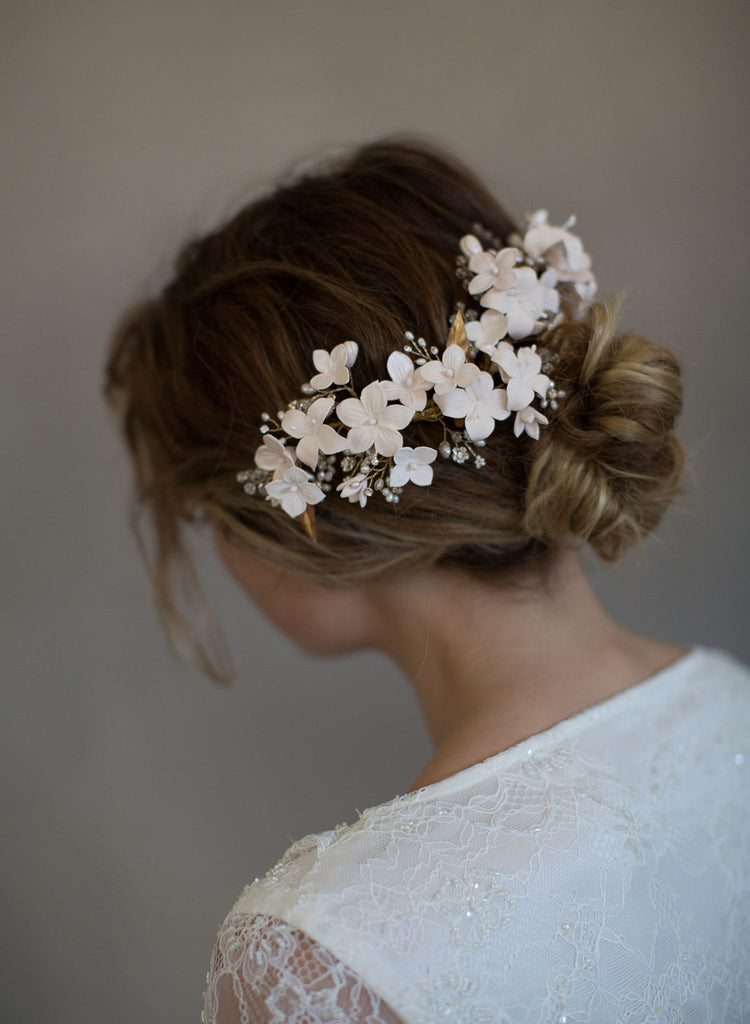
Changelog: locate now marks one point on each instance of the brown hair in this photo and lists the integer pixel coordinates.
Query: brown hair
(365, 250)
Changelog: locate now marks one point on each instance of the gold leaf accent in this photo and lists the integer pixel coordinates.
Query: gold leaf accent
(457, 333)
(308, 521)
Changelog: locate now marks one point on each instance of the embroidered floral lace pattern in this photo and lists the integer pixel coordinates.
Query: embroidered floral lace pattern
(598, 872)
(265, 972)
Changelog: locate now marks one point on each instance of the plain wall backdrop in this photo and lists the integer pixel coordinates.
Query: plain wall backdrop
(138, 798)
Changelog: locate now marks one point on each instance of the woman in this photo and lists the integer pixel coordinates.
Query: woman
(401, 416)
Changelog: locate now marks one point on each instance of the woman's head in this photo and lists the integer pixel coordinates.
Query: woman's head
(366, 250)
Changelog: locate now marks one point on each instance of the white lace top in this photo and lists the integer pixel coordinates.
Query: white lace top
(597, 872)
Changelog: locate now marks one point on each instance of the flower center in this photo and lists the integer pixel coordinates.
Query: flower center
(294, 488)
(372, 421)
(410, 382)
(449, 373)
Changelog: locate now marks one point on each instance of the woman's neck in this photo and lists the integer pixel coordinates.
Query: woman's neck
(493, 662)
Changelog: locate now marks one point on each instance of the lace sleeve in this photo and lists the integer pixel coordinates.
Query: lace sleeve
(263, 971)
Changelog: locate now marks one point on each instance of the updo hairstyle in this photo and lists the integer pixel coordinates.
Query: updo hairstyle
(366, 250)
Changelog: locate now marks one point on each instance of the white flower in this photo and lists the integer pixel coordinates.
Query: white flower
(491, 270)
(528, 419)
(478, 405)
(412, 464)
(294, 491)
(526, 302)
(373, 421)
(521, 371)
(406, 384)
(561, 250)
(316, 436)
(273, 457)
(450, 371)
(354, 488)
(333, 366)
(487, 330)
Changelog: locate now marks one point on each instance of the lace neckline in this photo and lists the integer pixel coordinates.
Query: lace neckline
(556, 733)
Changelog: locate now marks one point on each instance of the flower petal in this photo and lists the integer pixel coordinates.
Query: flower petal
(395, 417)
(399, 366)
(470, 245)
(272, 454)
(387, 441)
(307, 450)
(481, 283)
(352, 351)
(497, 404)
(529, 361)
(399, 476)
(321, 360)
(373, 399)
(455, 404)
(413, 398)
(467, 374)
(506, 359)
(420, 473)
(311, 493)
(293, 503)
(434, 371)
(482, 263)
(479, 424)
(521, 324)
(453, 358)
(329, 441)
(319, 409)
(480, 388)
(520, 394)
(295, 423)
(351, 412)
(360, 438)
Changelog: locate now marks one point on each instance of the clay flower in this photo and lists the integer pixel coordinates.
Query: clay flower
(412, 465)
(333, 366)
(354, 488)
(479, 405)
(522, 372)
(273, 457)
(530, 299)
(491, 270)
(487, 330)
(561, 250)
(406, 384)
(315, 435)
(294, 491)
(450, 371)
(373, 422)
(528, 420)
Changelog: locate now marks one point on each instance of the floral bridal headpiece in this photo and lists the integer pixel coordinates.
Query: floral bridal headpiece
(481, 377)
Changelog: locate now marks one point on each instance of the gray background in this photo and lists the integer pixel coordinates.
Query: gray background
(138, 798)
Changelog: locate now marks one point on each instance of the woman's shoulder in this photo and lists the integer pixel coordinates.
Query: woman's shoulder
(620, 808)
(694, 713)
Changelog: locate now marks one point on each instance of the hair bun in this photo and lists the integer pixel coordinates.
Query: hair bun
(610, 464)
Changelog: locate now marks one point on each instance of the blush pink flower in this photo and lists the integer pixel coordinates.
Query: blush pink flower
(374, 423)
(478, 405)
(450, 371)
(314, 434)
